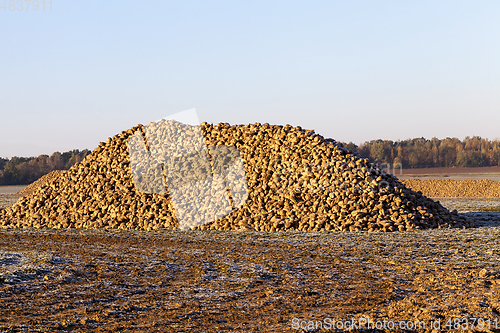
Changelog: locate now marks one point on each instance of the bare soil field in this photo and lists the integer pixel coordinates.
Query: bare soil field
(11, 189)
(8, 195)
(214, 281)
(467, 205)
(226, 281)
(476, 170)
(490, 173)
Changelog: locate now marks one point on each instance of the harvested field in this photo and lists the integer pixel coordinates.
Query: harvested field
(458, 176)
(7, 199)
(11, 189)
(455, 188)
(8, 194)
(450, 171)
(478, 173)
(168, 280)
(218, 281)
(464, 205)
(213, 281)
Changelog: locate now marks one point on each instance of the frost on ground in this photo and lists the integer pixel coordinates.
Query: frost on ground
(464, 205)
(177, 281)
(212, 281)
(16, 267)
(7, 199)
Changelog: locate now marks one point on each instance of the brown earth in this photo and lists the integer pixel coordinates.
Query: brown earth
(213, 281)
(432, 171)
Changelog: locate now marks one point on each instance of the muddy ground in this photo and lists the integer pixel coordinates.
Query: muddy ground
(175, 281)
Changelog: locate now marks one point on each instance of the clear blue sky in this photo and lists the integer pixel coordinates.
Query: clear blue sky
(352, 70)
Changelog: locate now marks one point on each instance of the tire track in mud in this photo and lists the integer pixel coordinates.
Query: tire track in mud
(126, 282)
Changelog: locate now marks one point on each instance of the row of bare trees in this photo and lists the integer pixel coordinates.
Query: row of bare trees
(25, 170)
(424, 153)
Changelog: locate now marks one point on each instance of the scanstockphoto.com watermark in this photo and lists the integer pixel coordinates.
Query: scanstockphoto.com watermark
(360, 323)
(25, 5)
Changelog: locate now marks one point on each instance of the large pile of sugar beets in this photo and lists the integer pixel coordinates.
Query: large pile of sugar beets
(296, 180)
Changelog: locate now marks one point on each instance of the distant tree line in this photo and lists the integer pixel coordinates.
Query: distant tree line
(412, 153)
(423, 153)
(25, 170)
